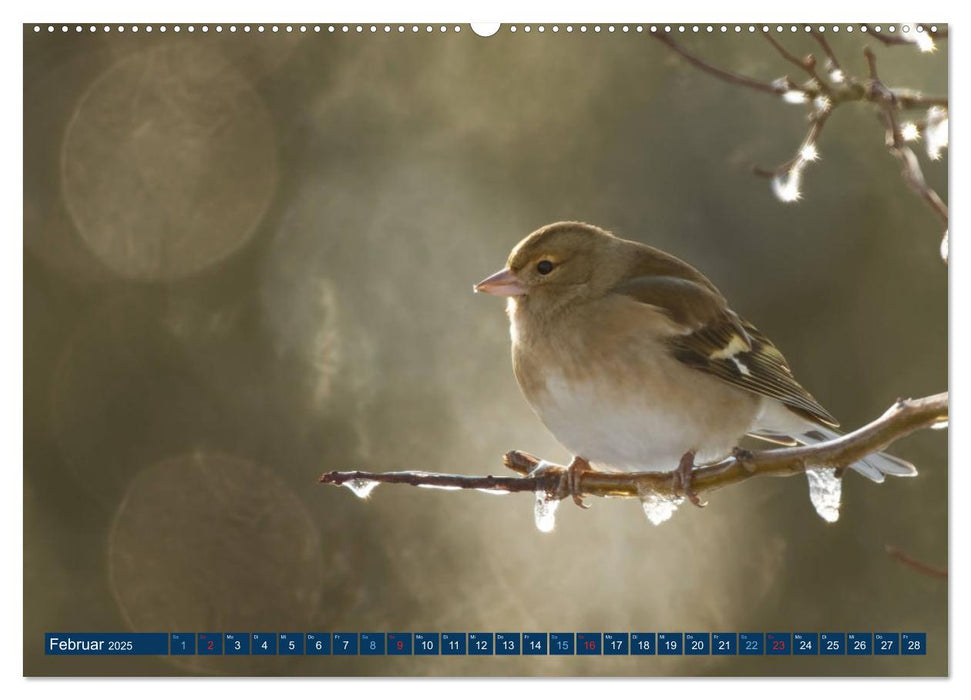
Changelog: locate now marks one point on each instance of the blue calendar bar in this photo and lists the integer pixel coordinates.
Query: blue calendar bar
(399, 643)
(751, 643)
(427, 643)
(482, 643)
(372, 643)
(589, 643)
(697, 643)
(291, 643)
(832, 643)
(886, 643)
(859, 643)
(913, 643)
(490, 643)
(182, 643)
(345, 643)
(454, 643)
(535, 644)
(724, 643)
(236, 643)
(318, 643)
(107, 644)
(509, 643)
(263, 643)
(643, 643)
(616, 643)
(563, 643)
(210, 644)
(805, 644)
(778, 643)
(670, 643)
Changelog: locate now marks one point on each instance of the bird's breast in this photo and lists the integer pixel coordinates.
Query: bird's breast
(613, 394)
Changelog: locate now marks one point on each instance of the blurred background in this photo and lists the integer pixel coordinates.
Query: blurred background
(248, 259)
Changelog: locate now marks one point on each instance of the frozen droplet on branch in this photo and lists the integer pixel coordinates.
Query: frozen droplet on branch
(825, 490)
(657, 508)
(545, 512)
(809, 153)
(837, 76)
(923, 39)
(936, 132)
(361, 488)
(909, 131)
(945, 251)
(786, 185)
(794, 97)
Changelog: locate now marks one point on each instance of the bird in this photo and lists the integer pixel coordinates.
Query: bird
(634, 360)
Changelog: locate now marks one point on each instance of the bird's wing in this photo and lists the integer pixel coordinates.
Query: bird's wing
(718, 341)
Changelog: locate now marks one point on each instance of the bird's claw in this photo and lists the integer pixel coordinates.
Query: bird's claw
(574, 471)
(683, 477)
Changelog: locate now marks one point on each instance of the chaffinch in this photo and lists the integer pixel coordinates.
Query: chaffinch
(634, 360)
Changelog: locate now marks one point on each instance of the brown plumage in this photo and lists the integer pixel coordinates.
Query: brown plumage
(632, 357)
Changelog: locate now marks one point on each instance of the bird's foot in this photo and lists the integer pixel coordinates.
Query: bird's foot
(683, 478)
(743, 457)
(576, 468)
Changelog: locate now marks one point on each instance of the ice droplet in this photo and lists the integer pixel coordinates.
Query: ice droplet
(361, 488)
(825, 489)
(936, 132)
(786, 185)
(940, 425)
(545, 512)
(794, 97)
(657, 508)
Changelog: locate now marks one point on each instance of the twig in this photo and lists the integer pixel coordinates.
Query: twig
(903, 418)
(718, 72)
(807, 147)
(823, 98)
(821, 40)
(898, 40)
(911, 171)
(807, 64)
(915, 564)
(889, 39)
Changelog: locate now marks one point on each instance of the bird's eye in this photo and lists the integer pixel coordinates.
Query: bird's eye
(544, 267)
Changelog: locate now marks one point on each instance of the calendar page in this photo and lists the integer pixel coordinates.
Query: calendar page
(300, 300)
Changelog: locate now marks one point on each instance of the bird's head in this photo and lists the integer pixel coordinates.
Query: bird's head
(557, 263)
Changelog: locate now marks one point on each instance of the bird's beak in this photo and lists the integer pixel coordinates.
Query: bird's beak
(502, 284)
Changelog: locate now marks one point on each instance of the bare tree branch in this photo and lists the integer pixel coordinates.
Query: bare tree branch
(889, 39)
(824, 97)
(903, 418)
(898, 40)
(718, 72)
(915, 564)
(821, 40)
(807, 64)
(911, 171)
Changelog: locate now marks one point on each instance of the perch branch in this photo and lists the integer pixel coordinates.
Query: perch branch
(903, 418)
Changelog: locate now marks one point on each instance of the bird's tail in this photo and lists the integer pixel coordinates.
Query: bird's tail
(873, 467)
